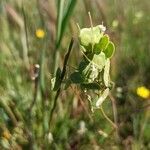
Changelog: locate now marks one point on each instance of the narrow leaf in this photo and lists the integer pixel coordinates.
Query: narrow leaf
(56, 80)
(59, 20)
(66, 16)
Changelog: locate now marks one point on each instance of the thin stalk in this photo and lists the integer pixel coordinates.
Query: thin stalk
(15, 111)
(9, 112)
(114, 107)
(83, 105)
(106, 117)
(61, 79)
(42, 83)
(91, 22)
(144, 123)
(36, 82)
(24, 39)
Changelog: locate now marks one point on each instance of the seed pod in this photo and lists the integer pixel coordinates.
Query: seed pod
(102, 98)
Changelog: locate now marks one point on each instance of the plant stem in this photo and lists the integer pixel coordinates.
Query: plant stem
(36, 81)
(83, 105)
(9, 112)
(114, 107)
(106, 117)
(143, 125)
(61, 79)
(24, 39)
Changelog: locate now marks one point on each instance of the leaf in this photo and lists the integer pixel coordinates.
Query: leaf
(83, 64)
(59, 20)
(64, 12)
(109, 51)
(102, 97)
(76, 78)
(55, 82)
(101, 45)
(67, 13)
(106, 73)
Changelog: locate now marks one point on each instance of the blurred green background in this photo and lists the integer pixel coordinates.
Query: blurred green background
(73, 125)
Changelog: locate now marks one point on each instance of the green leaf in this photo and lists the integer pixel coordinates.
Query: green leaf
(64, 12)
(106, 73)
(59, 20)
(83, 64)
(55, 82)
(110, 49)
(76, 77)
(102, 98)
(101, 45)
(67, 14)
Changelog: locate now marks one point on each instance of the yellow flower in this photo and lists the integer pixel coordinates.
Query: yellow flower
(40, 33)
(143, 92)
(6, 134)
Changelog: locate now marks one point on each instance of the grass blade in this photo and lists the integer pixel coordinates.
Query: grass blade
(63, 18)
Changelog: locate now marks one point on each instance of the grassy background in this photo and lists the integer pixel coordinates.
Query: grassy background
(73, 126)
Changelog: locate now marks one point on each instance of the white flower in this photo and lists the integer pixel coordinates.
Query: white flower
(82, 128)
(102, 28)
(50, 137)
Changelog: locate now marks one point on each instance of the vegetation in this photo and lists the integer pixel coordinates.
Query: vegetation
(66, 83)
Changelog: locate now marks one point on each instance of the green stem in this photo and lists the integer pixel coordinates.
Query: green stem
(61, 79)
(106, 117)
(36, 82)
(9, 112)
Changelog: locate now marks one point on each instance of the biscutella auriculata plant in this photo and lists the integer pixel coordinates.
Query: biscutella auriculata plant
(93, 70)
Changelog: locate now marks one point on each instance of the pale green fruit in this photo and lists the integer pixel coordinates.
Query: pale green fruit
(106, 73)
(102, 98)
(90, 36)
(99, 60)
